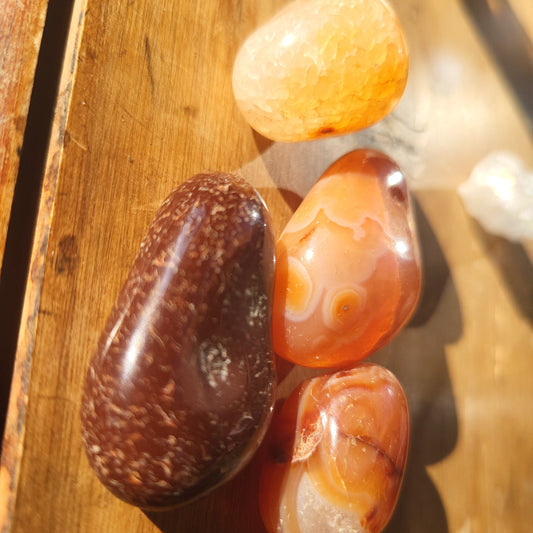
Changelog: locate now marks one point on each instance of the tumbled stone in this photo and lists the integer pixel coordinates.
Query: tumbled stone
(348, 270)
(499, 195)
(321, 67)
(336, 455)
(181, 387)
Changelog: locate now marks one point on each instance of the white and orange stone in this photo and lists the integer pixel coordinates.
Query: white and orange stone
(320, 68)
(336, 454)
(348, 270)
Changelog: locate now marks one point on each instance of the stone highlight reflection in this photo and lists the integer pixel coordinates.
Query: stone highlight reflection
(348, 265)
(180, 389)
(336, 454)
(320, 68)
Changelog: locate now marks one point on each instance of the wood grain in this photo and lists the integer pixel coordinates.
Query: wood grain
(149, 104)
(21, 29)
(13, 441)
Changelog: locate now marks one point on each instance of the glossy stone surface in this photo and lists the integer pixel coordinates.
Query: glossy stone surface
(336, 454)
(181, 387)
(348, 266)
(321, 67)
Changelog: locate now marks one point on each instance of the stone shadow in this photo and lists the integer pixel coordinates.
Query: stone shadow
(514, 266)
(231, 508)
(417, 357)
(508, 42)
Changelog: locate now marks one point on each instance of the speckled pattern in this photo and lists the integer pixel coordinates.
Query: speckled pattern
(336, 454)
(348, 271)
(181, 386)
(321, 68)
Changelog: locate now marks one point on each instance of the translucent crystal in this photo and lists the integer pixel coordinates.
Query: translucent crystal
(321, 67)
(499, 195)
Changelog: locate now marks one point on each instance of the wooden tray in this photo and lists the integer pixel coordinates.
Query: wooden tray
(145, 102)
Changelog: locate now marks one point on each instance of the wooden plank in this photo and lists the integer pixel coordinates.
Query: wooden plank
(151, 105)
(13, 438)
(21, 27)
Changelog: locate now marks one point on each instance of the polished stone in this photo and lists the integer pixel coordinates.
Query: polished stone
(348, 265)
(320, 68)
(181, 387)
(336, 454)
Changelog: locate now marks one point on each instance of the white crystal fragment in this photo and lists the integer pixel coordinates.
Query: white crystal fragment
(499, 195)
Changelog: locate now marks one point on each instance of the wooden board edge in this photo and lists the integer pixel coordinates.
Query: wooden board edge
(21, 31)
(13, 441)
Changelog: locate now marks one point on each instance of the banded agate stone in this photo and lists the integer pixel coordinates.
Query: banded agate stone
(336, 455)
(321, 67)
(348, 267)
(181, 387)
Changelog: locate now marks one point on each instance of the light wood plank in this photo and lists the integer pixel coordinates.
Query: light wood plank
(21, 26)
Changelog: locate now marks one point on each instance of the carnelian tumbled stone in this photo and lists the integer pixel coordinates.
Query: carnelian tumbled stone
(348, 268)
(180, 389)
(336, 454)
(321, 67)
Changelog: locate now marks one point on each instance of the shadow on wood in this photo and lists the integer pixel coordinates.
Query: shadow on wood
(417, 357)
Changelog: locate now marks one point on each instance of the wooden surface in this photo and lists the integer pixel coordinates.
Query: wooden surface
(151, 104)
(21, 28)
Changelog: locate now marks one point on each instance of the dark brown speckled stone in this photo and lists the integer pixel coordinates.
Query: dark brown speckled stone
(180, 389)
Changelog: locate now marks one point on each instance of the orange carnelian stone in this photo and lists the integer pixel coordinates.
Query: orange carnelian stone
(348, 268)
(336, 454)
